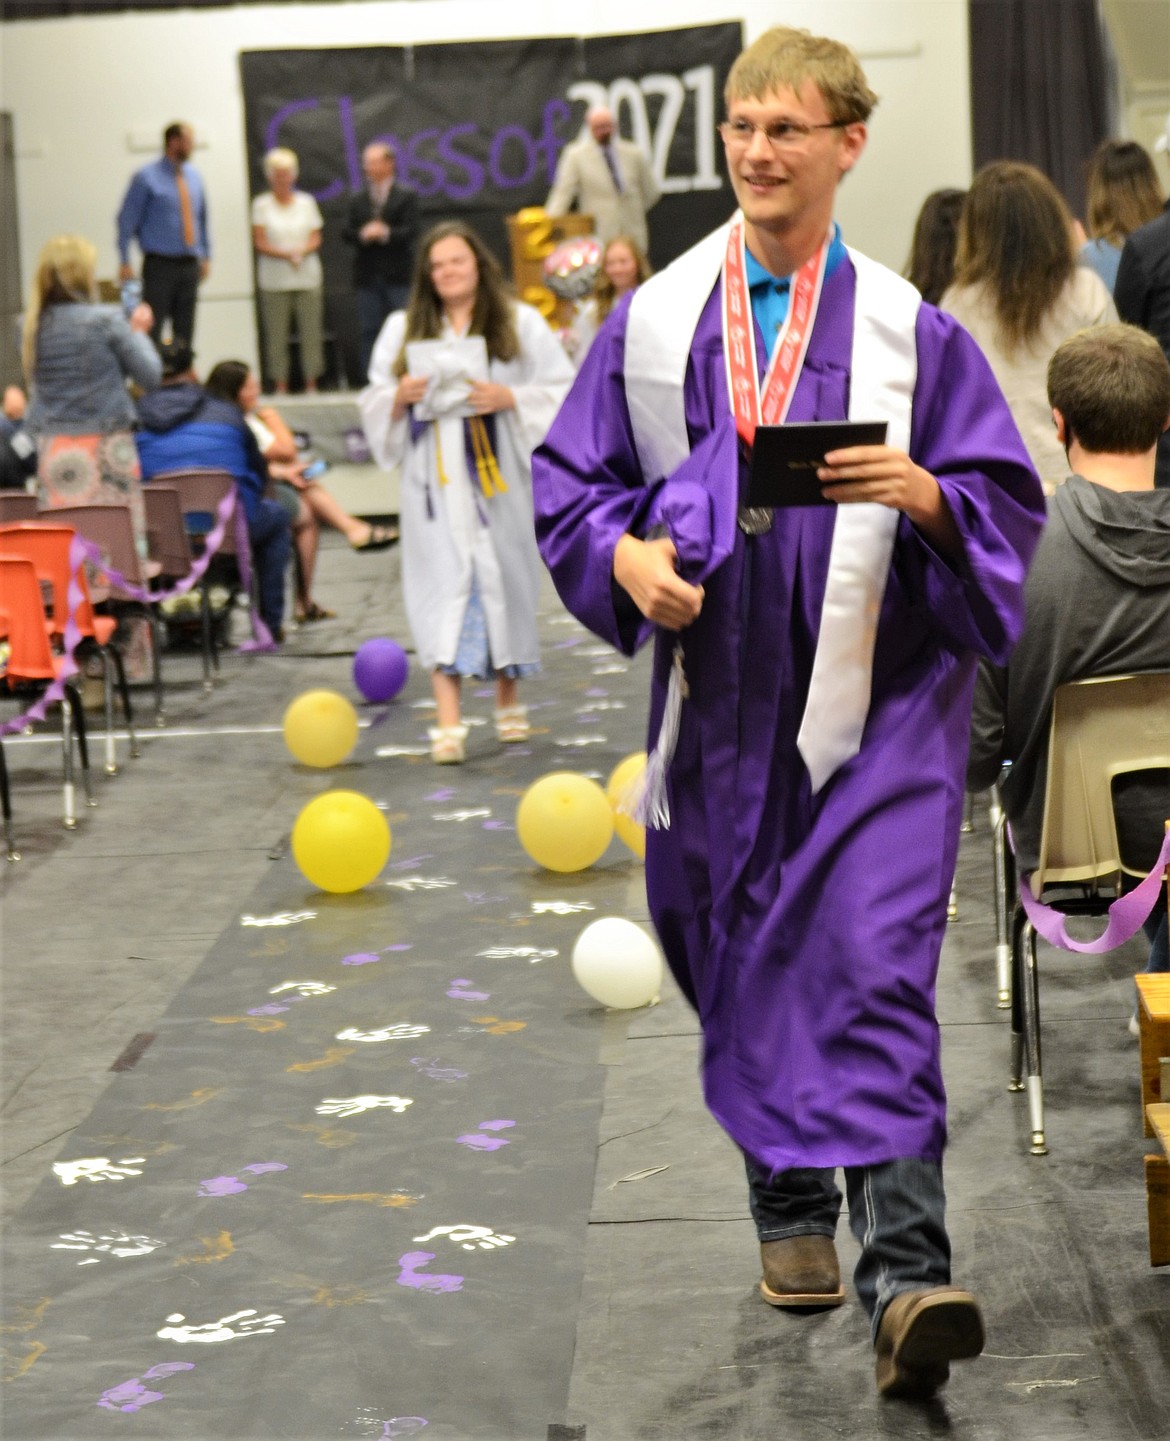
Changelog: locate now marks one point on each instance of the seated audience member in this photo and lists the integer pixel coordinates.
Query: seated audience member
(931, 266)
(1019, 292)
(1098, 594)
(1142, 291)
(623, 268)
(309, 505)
(18, 450)
(183, 427)
(1121, 195)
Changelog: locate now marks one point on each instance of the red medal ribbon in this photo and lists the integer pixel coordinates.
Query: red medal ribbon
(749, 407)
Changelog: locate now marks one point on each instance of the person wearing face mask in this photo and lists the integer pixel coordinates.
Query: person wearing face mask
(470, 568)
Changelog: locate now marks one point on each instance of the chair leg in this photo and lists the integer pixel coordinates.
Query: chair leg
(206, 634)
(6, 806)
(78, 713)
(156, 643)
(953, 905)
(108, 699)
(1016, 1001)
(124, 693)
(70, 806)
(968, 814)
(1031, 1005)
(1003, 869)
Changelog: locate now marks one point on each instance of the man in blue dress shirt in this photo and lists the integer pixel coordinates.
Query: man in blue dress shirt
(165, 210)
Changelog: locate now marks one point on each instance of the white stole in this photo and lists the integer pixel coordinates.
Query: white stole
(663, 317)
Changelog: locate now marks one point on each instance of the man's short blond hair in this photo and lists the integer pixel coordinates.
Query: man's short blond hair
(783, 58)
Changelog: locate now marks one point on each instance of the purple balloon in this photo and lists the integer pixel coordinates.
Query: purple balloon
(379, 669)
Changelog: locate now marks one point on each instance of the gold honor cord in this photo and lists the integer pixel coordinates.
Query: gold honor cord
(490, 478)
(439, 457)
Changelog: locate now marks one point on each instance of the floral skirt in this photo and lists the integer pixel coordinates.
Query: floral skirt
(472, 656)
(92, 470)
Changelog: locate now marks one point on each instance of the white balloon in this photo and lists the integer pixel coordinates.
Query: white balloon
(618, 963)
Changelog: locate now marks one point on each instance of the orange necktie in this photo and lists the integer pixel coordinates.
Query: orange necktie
(185, 210)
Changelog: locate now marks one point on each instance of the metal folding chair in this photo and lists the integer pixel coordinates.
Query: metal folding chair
(109, 528)
(1101, 729)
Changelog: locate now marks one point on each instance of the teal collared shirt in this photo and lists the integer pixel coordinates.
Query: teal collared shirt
(769, 293)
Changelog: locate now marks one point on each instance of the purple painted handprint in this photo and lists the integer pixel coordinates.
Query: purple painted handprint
(478, 1141)
(411, 1276)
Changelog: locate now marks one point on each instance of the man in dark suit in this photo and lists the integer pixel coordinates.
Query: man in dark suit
(1142, 291)
(382, 226)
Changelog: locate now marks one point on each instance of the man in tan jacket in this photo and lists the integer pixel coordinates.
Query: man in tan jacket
(606, 177)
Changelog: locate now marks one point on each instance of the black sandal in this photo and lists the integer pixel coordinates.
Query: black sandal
(381, 537)
(316, 612)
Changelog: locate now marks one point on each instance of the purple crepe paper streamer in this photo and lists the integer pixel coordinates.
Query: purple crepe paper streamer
(211, 545)
(1126, 914)
(261, 636)
(70, 641)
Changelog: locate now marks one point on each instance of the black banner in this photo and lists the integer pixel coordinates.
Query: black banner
(478, 128)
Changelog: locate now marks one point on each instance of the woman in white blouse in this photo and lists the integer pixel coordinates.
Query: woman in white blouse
(286, 232)
(1020, 292)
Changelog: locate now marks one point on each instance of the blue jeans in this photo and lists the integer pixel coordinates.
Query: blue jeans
(376, 299)
(271, 537)
(896, 1212)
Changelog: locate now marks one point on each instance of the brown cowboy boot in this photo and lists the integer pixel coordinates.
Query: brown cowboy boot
(801, 1271)
(921, 1333)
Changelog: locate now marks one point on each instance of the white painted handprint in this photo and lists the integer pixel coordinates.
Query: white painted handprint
(355, 1105)
(96, 1168)
(471, 1238)
(384, 1033)
(221, 1330)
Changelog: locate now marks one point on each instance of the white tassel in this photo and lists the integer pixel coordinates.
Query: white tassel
(647, 801)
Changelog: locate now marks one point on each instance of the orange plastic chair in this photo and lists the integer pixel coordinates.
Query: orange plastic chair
(47, 545)
(31, 663)
(5, 793)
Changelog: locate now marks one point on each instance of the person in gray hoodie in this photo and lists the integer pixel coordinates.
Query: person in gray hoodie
(1097, 599)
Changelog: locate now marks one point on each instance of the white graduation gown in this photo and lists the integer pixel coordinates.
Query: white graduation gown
(453, 534)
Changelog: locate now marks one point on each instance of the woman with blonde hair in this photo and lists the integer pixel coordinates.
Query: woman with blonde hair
(464, 384)
(78, 356)
(1020, 293)
(623, 268)
(1121, 194)
(286, 234)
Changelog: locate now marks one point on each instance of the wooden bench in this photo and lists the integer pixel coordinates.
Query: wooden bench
(1154, 1026)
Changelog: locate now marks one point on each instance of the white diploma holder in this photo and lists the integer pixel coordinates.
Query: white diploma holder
(452, 365)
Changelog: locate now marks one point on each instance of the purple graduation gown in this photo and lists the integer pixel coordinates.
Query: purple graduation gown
(806, 930)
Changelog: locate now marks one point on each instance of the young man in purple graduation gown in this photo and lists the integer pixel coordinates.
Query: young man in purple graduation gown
(816, 782)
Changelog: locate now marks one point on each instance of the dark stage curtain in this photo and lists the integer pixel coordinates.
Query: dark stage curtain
(1039, 87)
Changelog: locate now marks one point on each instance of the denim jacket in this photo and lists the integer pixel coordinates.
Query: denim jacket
(84, 355)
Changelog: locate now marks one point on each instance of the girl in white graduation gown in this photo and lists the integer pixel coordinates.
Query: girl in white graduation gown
(470, 567)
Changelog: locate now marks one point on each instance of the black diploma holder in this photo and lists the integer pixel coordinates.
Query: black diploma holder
(786, 458)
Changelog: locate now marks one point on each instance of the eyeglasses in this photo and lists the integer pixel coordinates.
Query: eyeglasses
(783, 135)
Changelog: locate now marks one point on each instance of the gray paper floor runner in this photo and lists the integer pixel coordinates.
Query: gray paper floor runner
(344, 1190)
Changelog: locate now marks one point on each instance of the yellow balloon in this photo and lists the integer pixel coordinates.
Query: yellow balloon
(320, 728)
(626, 775)
(341, 840)
(564, 822)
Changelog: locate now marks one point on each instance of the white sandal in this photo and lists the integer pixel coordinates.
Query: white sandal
(512, 724)
(447, 745)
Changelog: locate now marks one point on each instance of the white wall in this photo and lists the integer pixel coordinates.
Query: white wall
(90, 97)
